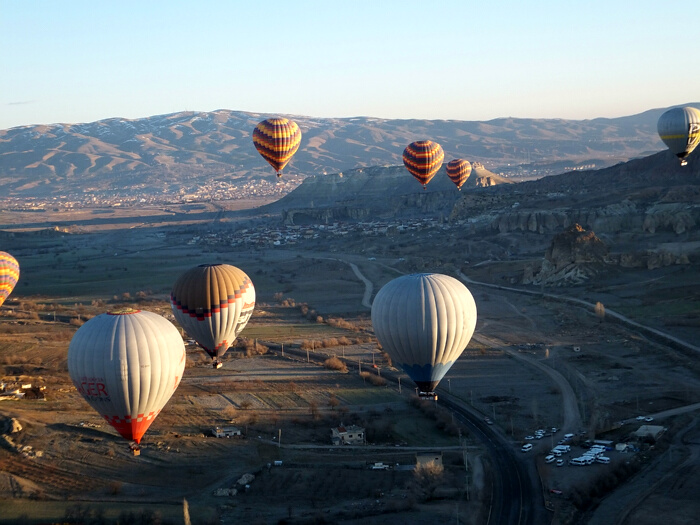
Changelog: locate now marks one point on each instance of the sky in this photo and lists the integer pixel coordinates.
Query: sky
(75, 61)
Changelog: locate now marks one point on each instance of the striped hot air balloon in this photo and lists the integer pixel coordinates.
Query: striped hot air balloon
(679, 129)
(127, 364)
(423, 159)
(213, 303)
(277, 140)
(458, 170)
(424, 322)
(9, 275)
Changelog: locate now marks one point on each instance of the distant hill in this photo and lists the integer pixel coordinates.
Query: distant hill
(170, 154)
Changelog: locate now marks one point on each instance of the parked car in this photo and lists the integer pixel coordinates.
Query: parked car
(550, 459)
(526, 447)
(560, 463)
(648, 419)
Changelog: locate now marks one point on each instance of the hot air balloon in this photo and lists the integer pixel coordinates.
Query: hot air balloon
(423, 160)
(424, 322)
(277, 140)
(9, 275)
(127, 364)
(458, 170)
(213, 303)
(679, 129)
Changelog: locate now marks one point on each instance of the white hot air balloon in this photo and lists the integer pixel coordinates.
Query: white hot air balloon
(424, 321)
(679, 129)
(127, 364)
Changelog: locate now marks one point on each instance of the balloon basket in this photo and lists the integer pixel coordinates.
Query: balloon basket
(428, 395)
(217, 364)
(135, 449)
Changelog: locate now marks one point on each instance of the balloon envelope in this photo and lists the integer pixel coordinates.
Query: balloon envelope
(423, 160)
(277, 140)
(458, 170)
(213, 303)
(9, 275)
(679, 129)
(424, 322)
(127, 364)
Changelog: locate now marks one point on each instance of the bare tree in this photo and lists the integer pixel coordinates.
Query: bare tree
(600, 311)
(333, 401)
(427, 477)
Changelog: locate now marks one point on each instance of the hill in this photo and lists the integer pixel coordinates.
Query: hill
(178, 154)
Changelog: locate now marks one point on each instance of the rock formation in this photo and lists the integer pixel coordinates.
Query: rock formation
(574, 256)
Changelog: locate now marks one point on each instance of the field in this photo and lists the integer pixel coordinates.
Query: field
(518, 370)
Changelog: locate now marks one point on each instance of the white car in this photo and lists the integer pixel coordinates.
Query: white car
(648, 419)
(529, 438)
(527, 447)
(560, 463)
(550, 459)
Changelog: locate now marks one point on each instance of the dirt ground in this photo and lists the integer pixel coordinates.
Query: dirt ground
(615, 375)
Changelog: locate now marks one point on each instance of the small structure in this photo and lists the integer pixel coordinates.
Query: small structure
(350, 435)
(649, 432)
(221, 432)
(426, 459)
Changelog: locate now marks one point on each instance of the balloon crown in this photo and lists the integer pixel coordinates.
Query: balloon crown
(123, 311)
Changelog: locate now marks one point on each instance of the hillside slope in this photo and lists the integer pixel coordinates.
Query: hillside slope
(167, 154)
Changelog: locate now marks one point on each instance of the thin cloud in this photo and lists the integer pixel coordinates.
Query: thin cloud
(20, 103)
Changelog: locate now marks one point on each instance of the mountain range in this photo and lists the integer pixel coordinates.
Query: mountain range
(179, 152)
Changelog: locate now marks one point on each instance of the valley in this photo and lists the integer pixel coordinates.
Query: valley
(517, 370)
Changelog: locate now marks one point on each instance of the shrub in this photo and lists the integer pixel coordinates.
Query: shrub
(333, 363)
(377, 380)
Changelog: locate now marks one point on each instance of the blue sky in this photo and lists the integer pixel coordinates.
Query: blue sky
(81, 61)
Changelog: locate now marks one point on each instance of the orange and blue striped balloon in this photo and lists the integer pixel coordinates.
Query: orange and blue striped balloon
(277, 140)
(9, 275)
(423, 160)
(458, 170)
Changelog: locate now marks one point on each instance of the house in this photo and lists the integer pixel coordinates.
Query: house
(350, 435)
(426, 459)
(220, 432)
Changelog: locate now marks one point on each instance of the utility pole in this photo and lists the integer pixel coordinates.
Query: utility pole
(449, 385)
(466, 473)
(279, 438)
(282, 349)
(399, 384)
